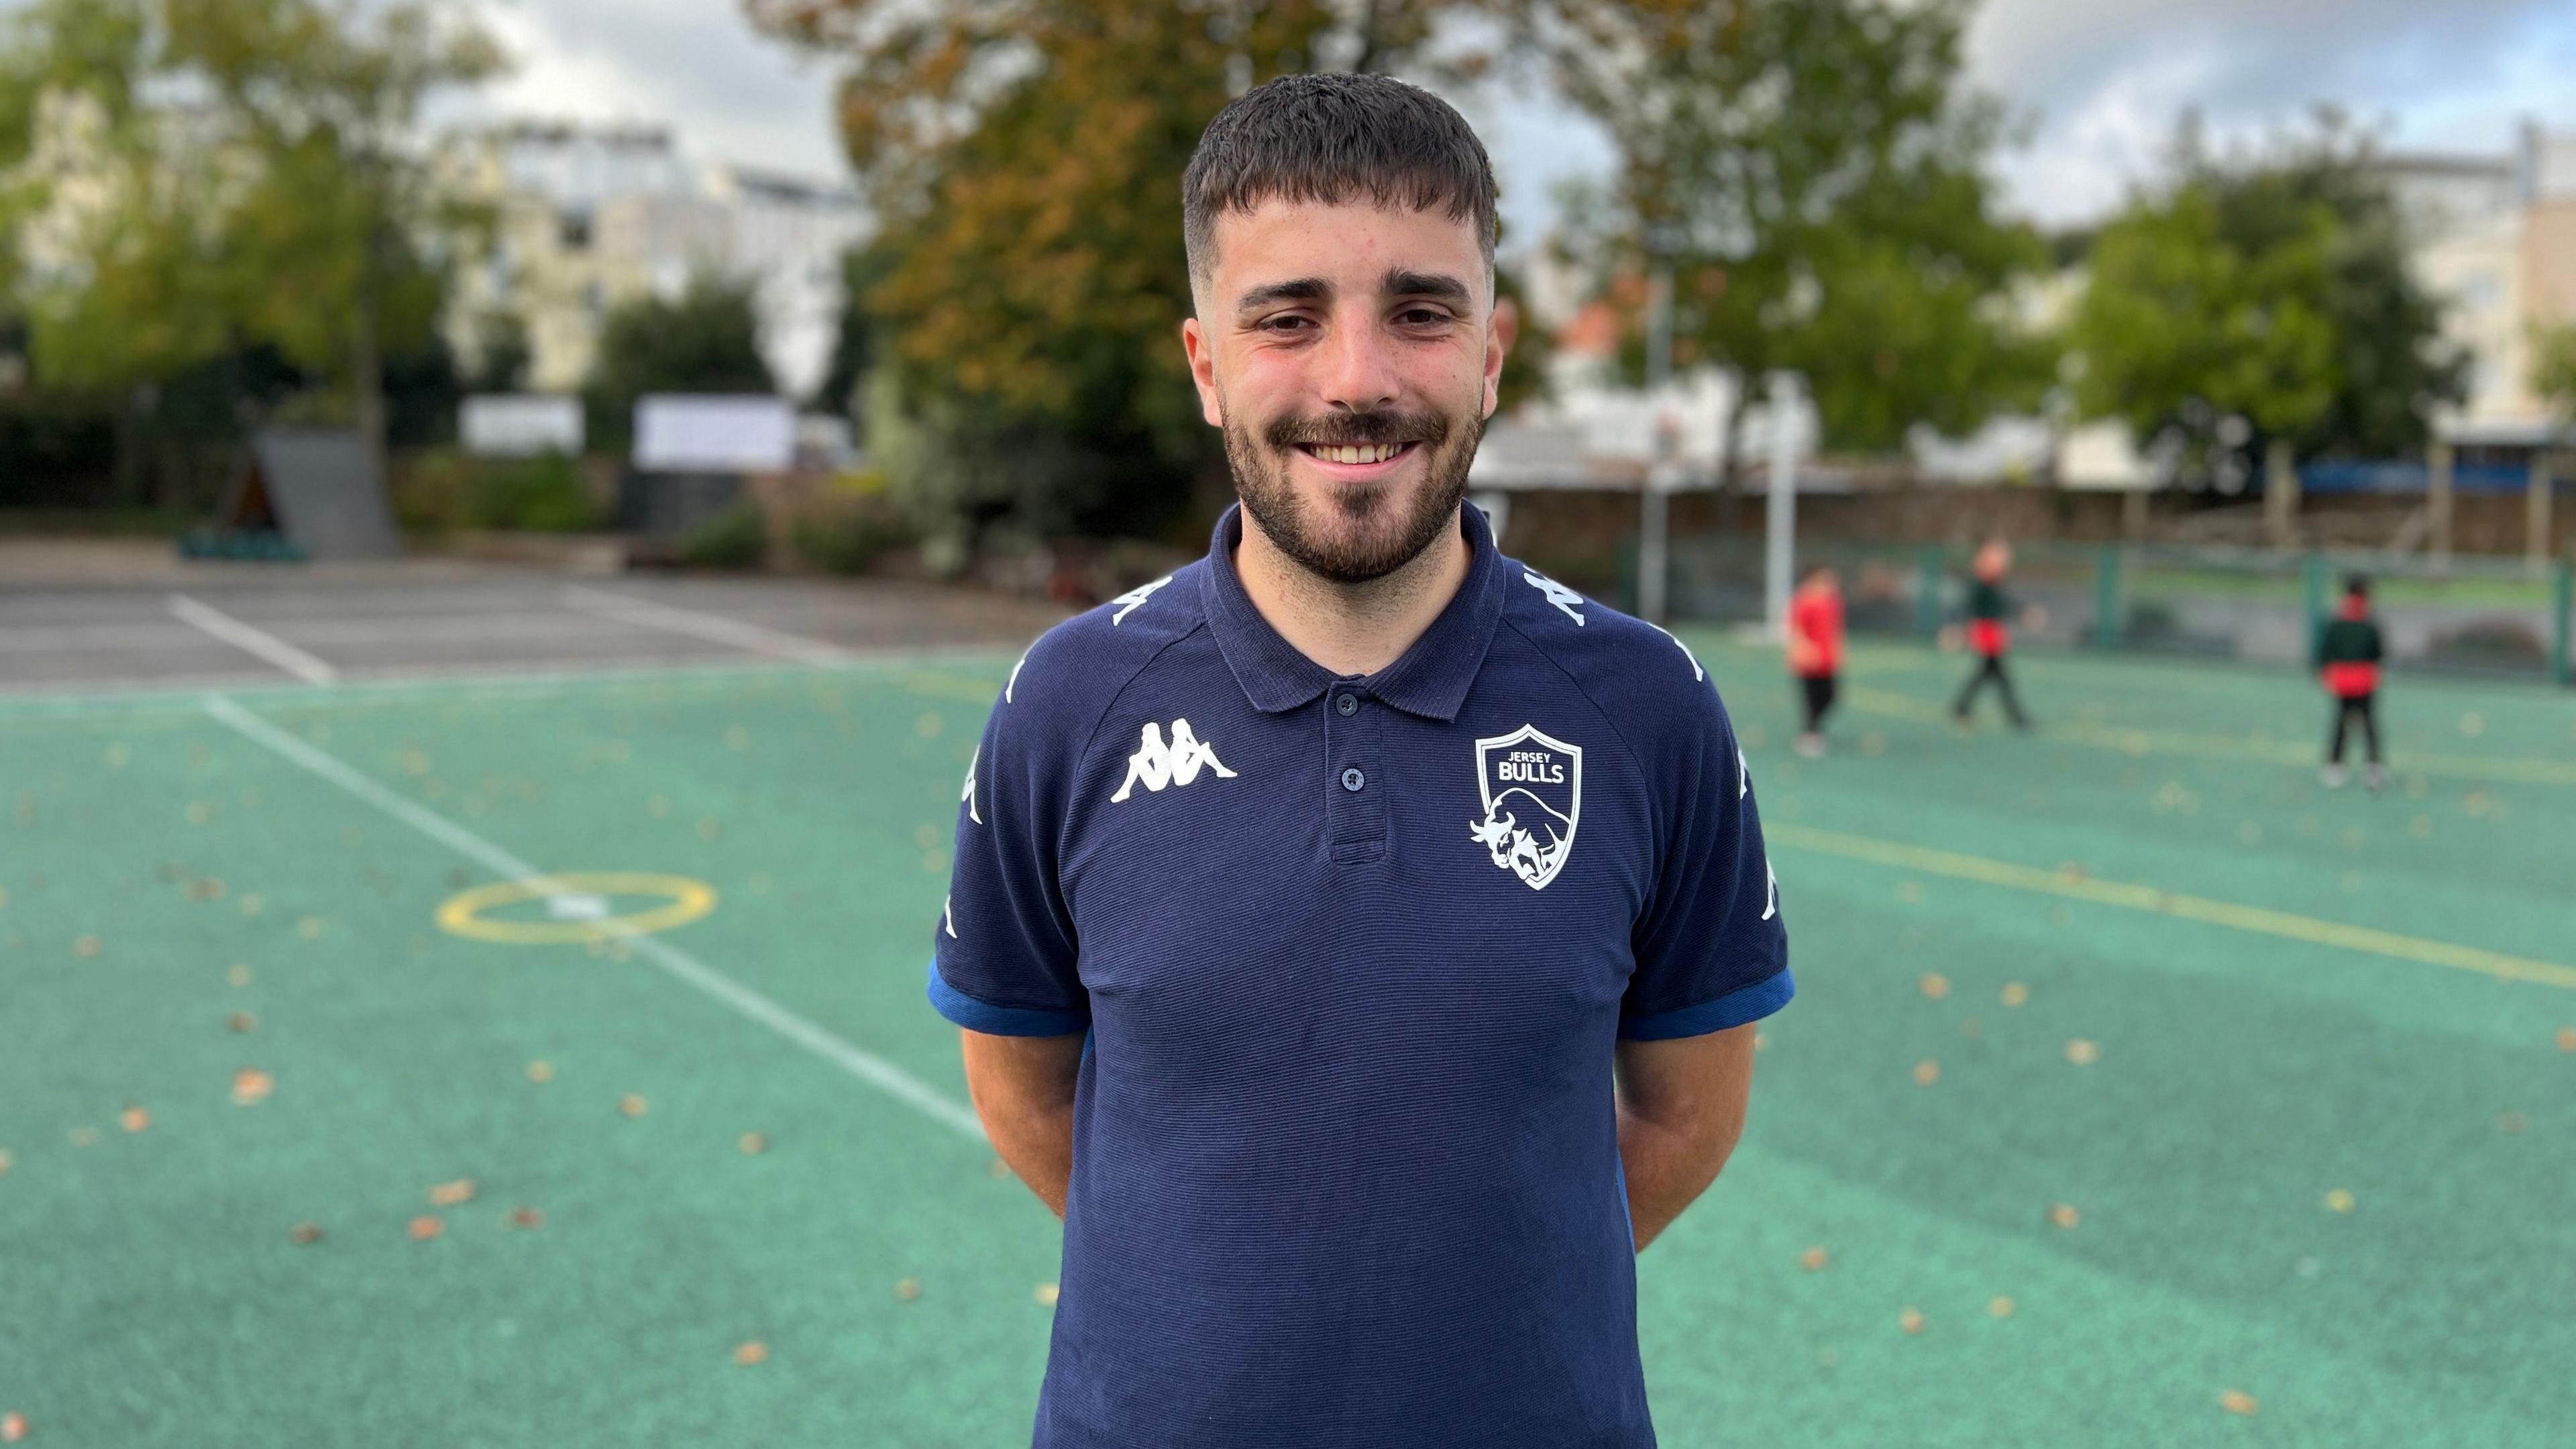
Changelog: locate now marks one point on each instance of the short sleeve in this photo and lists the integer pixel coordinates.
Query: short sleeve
(1711, 949)
(1003, 950)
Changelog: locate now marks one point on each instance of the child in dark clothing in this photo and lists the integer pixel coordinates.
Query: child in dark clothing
(2348, 655)
(1987, 609)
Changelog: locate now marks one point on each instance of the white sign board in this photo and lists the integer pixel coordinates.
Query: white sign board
(520, 425)
(683, 433)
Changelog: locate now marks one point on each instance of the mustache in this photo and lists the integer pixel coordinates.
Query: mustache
(1357, 429)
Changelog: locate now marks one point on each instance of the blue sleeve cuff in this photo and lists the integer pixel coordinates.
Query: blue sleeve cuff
(1749, 1003)
(993, 1020)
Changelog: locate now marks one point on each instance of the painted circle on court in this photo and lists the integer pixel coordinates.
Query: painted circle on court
(579, 907)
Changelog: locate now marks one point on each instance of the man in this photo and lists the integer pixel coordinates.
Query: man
(1989, 636)
(1816, 652)
(1357, 935)
(2348, 655)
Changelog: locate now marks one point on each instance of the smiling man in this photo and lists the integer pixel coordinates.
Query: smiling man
(1356, 934)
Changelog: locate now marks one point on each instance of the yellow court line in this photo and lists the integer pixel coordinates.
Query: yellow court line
(2138, 743)
(2172, 903)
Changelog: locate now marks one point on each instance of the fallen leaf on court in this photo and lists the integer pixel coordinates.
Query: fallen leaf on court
(206, 888)
(2064, 1215)
(1926, 1072)
(238, 975)
(1761, 1040)
(303, 1233)
(426, 1227)
(632, 1105)
(751, 1353)
(2339, 1201)
(5, 1160)
(13, 1427)
(134, 1119)
(908, 1289)
(449, 1194)
(242, 1021)
(541, 1072)
(85, 946)
(2510, 1122)
(2000, 1308)
(2083, 1053)
(2015, 993)
(752, 1143)
(1911, 1320)
(310, 928)
(2567, 1038)
(1815, 1258)
(252, 1086)
(1046, 1294)
(527, 1217)
(2237, 1401)
(1935, 985)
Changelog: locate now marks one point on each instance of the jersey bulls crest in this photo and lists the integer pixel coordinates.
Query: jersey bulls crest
(1532, 787)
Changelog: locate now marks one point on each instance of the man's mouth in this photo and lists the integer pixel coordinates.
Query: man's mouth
(1355, 453)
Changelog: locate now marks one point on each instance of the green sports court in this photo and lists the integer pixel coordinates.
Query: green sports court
(541, 1059)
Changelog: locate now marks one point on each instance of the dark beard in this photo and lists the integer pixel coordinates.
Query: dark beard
(1384, 543)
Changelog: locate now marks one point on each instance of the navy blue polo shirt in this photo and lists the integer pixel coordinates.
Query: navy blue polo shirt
(1353, 954)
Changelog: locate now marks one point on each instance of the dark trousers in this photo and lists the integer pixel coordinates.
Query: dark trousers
(1816, 692)
(1992, 668)
(2362, 707)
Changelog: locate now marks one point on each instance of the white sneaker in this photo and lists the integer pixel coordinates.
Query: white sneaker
(2332, 777)
(1811, 746)
(2377, 779)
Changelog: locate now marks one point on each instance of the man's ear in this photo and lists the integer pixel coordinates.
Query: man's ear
(1202, 355)
(1500, 333)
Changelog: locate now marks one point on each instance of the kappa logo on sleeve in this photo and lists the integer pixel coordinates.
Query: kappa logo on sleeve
(1532, 789)
(1129, 601)
(1558, 594)
(1158, 765)
(968, 799)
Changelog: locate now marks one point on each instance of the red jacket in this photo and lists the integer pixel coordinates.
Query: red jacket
(1815, 633)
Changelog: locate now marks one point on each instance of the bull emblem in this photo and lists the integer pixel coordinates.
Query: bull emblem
(1532, 789)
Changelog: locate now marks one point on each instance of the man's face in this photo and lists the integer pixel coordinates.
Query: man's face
(1350, 354)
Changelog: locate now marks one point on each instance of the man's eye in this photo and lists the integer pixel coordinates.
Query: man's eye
(1285, 324)
(1421, 317)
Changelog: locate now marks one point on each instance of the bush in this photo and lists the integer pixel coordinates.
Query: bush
(540, 495)
(854, 526)
(737, 538)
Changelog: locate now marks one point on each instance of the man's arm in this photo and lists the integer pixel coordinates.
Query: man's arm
(1022, 1087)
(1681, 1109)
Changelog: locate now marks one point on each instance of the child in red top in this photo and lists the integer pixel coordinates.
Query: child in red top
(2348, 655)
(1816, 651)
(1987, 608)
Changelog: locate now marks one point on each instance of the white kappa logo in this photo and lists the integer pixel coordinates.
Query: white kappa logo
(1134, 598)
(1175, 764)
(968, 799)
(1565, 599)
(1530, 783)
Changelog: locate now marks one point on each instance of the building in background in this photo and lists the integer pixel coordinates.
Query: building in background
(588, 217)
(2494, 236)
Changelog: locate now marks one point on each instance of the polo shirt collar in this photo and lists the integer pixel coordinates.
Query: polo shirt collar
(1430, 679)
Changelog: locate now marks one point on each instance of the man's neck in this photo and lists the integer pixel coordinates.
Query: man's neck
(1351, 628)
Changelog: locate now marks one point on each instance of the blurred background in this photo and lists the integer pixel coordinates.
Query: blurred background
(512, 514)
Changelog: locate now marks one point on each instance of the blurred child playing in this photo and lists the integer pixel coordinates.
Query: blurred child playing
(1816, 651)
(2348, 655)
(1988, 607)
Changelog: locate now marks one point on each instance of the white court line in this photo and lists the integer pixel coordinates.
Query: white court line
(252, 641)
(697, 625)
(877, 1072)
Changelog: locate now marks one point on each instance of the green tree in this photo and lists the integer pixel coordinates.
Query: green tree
(216, 174)
(1814, 175)
(2553, 371)
(705, 340)
(2270, 288)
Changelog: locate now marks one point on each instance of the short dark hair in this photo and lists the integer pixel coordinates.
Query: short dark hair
(2357, 585)
(1328, 139)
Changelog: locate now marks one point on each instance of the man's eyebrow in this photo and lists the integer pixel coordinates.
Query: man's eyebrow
(1303, 289)
(1439, 286)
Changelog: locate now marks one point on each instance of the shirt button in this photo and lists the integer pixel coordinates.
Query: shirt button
(1352, 779)
(1348, 704)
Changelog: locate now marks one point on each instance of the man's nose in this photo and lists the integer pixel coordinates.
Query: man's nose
(1359, 372)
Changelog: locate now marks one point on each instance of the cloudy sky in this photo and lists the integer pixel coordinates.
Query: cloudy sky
(2098, 82)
